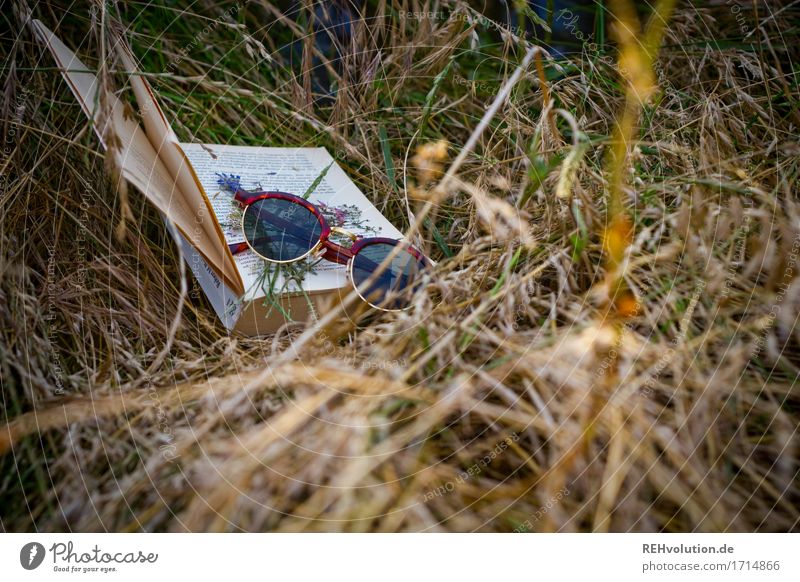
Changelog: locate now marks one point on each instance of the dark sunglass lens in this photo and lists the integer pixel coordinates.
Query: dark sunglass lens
(392, 287)
(281, 230)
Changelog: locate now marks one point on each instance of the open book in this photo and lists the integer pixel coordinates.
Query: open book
(181, 180)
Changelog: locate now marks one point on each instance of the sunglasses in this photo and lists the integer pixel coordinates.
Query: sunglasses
(283, 228)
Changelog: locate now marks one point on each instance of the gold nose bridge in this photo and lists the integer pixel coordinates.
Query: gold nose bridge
(344, 232)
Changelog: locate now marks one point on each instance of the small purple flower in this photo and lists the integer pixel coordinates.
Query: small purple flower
(229, 182)
(338, 215)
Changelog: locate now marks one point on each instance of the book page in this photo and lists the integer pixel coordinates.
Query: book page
(139, 161)
(291, 170)
(207, 233)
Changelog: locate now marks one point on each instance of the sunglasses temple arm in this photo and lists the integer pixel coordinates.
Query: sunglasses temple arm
(337, 253)
(238, 248)
(249, 197)
(244, 197)
(333, 252)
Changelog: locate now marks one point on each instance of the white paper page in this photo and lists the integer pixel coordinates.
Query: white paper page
(141, 164)
(290, 170)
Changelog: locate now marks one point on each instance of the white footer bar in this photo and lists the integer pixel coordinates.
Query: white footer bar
(401, 557)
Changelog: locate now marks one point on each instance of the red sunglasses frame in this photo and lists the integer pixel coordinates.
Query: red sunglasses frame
(332, 251)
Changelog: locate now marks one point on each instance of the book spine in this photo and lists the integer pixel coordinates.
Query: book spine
(226, 303)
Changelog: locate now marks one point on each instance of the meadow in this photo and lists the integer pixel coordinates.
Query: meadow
(611, 342)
